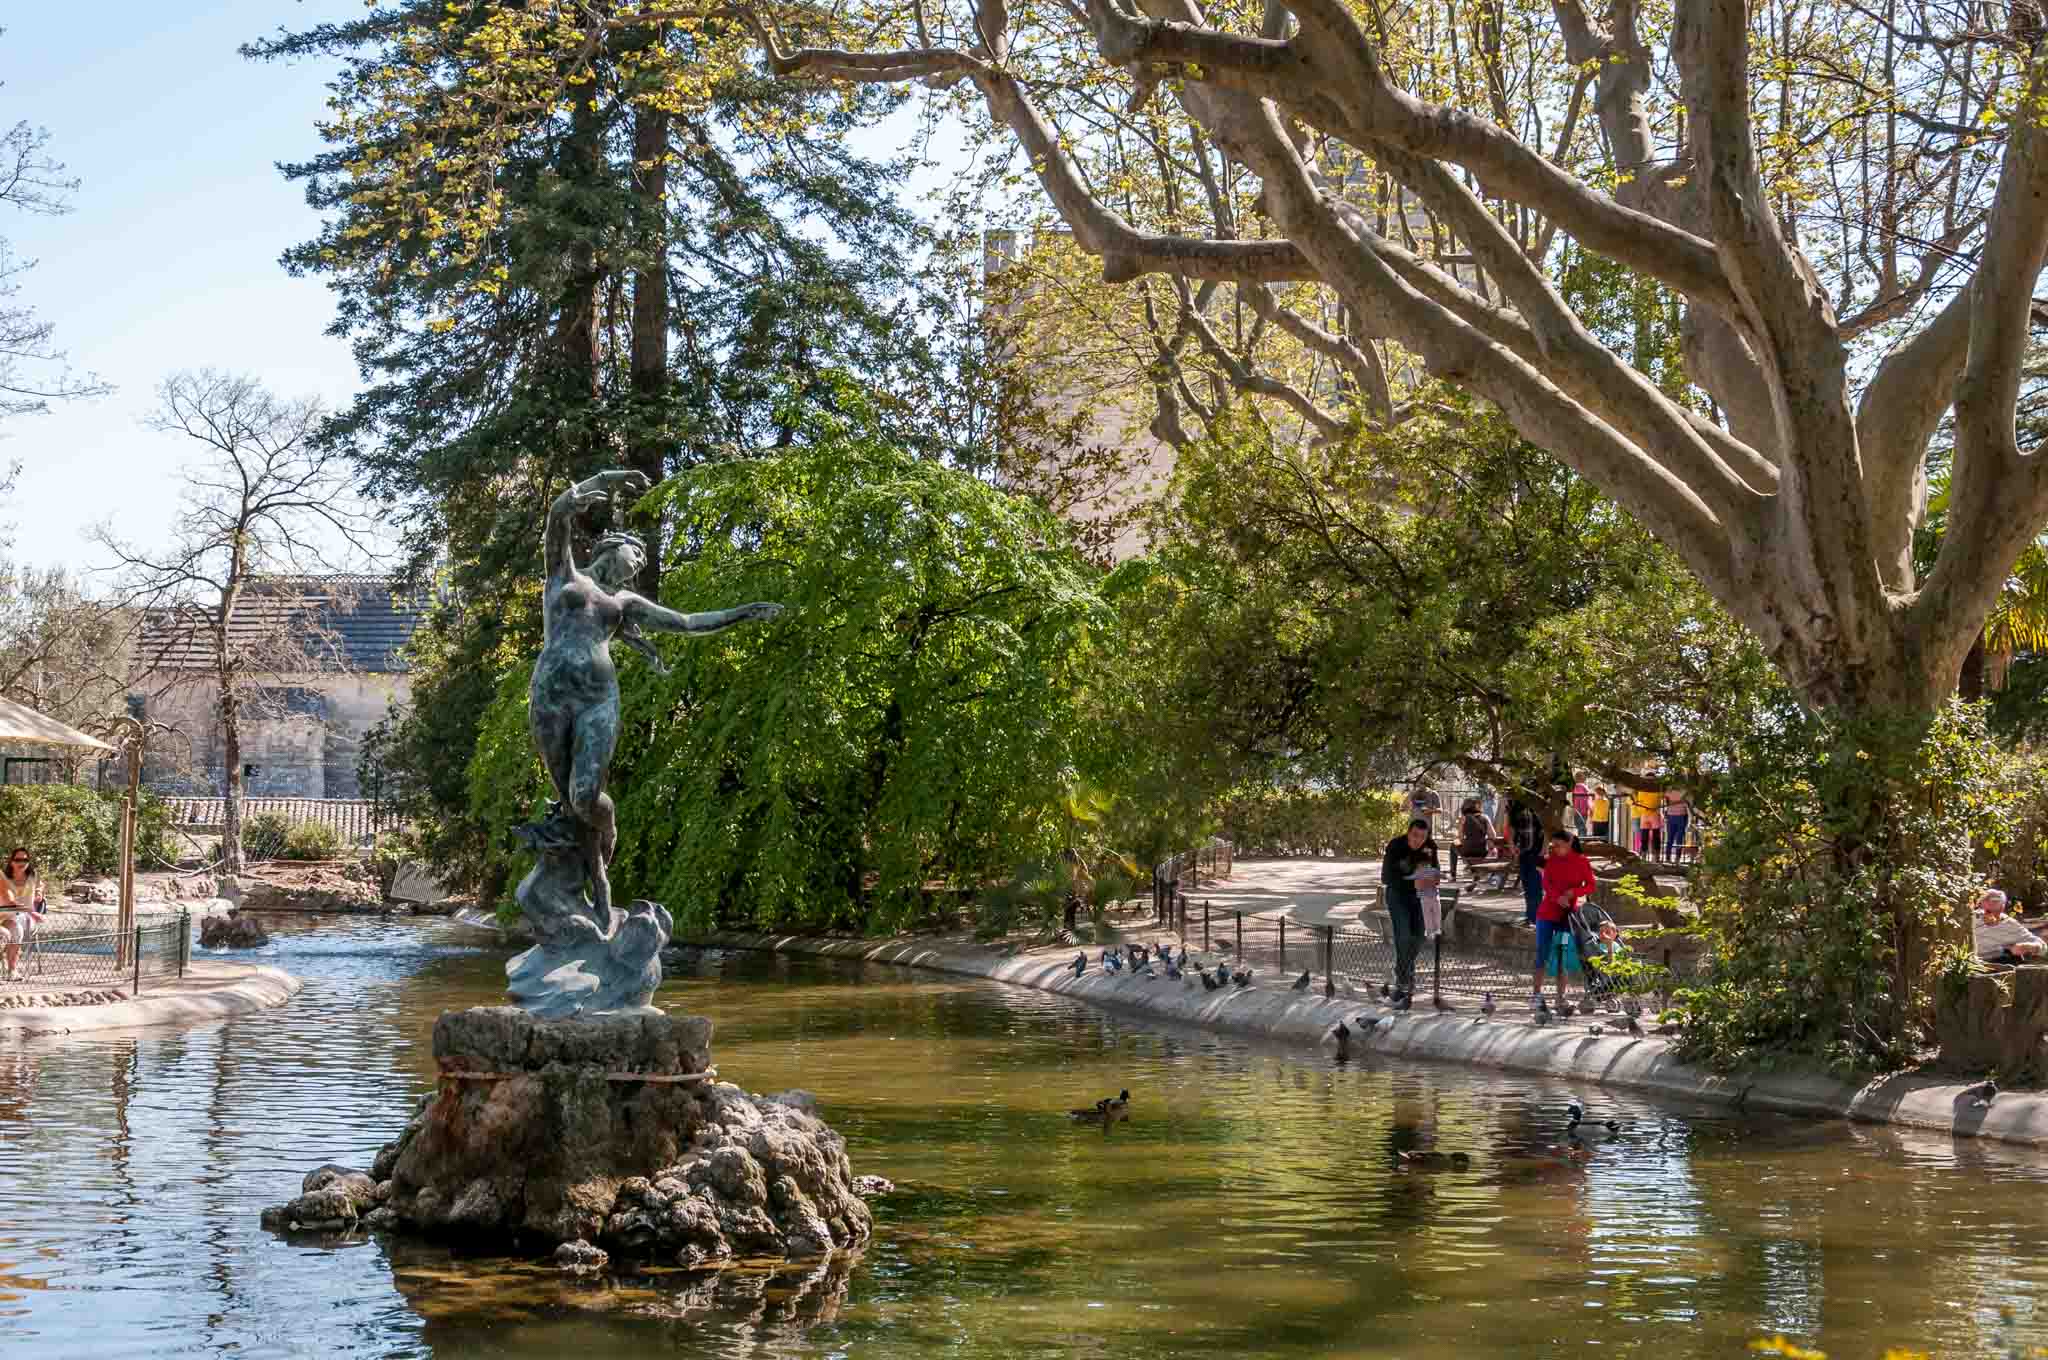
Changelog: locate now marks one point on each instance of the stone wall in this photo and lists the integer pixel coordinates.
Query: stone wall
(303, 745)
(1997, 1023)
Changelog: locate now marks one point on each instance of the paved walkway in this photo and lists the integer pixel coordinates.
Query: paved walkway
(211, 989)
(1324, 891)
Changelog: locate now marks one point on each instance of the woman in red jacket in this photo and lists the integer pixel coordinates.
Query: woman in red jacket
(1567, 880)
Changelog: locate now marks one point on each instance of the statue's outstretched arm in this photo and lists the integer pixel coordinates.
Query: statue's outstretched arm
(654, 618)
(584, 495)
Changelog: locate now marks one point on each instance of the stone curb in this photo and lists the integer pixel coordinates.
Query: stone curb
(1569, 1052)
(210, 990)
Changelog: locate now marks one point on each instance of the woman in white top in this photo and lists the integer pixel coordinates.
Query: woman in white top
(21, 904)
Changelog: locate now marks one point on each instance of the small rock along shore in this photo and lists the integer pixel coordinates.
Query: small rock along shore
(1566, 1050)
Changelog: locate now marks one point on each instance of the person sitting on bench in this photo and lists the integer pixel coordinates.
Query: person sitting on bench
(1475, 833)
(2000, 938)
(21, 906)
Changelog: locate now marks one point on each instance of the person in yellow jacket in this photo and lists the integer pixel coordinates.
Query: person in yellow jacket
(1649, 810)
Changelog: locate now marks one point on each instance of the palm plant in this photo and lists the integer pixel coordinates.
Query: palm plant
(2018, 621)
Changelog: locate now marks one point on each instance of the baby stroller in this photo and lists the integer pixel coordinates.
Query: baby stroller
(1585, 920)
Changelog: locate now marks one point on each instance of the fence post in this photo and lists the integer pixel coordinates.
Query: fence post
(125, 881)
(1240, 935)
(1560, 962)
(1205, 925)
(1283, 944)
(137, 991)
(1329, 949)
(184, 939)
(1436, 969)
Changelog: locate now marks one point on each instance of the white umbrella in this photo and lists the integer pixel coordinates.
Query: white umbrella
(25, 724)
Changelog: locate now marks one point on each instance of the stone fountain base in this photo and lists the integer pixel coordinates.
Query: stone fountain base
(611, 1130)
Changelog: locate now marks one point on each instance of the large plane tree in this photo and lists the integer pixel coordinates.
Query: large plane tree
(1842, 203)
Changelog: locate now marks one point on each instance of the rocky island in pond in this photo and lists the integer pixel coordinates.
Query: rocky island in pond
(589, 1121)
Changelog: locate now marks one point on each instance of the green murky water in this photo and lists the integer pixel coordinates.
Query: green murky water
(1252, 1207)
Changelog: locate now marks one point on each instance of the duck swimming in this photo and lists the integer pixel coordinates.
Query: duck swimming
(1105, 1111)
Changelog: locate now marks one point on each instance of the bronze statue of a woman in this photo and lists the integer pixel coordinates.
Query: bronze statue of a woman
(590, 956)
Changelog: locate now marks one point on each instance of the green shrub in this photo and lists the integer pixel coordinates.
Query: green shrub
(1265, 820)
(264, 835)
(1847, 854)
(312, 840)
(2019, 858)
(273, 835)
(73, 830)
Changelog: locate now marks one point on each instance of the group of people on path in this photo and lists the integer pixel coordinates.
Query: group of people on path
(1556, 876)
(1658, 824)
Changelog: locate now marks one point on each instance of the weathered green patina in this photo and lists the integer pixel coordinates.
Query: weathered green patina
(591, 957)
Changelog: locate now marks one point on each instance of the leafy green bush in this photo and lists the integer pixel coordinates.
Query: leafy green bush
(273, 835)
(1032, 898)
(312, 840)
(264, 835)
(1846, 856)
(1268, 820)
(2019, 857)
(73, 830)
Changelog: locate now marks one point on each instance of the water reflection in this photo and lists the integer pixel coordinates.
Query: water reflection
(533, 1309)
(1255, 1204)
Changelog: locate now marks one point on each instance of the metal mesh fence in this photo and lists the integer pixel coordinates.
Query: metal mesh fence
(1184, 872)
(76, 949)
(1363, 960)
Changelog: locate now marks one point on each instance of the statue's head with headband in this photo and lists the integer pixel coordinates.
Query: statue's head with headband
(616, 558)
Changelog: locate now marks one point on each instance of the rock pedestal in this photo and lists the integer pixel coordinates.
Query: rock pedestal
(598, 1130)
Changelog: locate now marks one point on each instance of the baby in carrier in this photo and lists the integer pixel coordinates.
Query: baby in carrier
(1599, 941)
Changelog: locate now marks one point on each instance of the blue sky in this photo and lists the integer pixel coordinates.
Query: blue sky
(169, 257)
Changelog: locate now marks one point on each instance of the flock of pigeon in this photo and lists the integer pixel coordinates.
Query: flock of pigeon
(1154, 962)
(1138, 960)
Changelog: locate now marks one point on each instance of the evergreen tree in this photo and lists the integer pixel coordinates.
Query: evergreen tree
(639, 293)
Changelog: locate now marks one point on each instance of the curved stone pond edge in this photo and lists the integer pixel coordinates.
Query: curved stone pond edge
(211, 989)
(1565, 1051)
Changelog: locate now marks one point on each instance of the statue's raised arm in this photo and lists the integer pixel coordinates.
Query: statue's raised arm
(559, 540)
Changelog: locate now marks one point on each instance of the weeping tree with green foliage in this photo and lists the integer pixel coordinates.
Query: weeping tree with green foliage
(920, 714)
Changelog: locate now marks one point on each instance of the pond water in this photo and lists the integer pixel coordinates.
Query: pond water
(1252, 1206)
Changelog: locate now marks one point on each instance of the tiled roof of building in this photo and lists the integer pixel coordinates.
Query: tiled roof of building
(344, 623)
